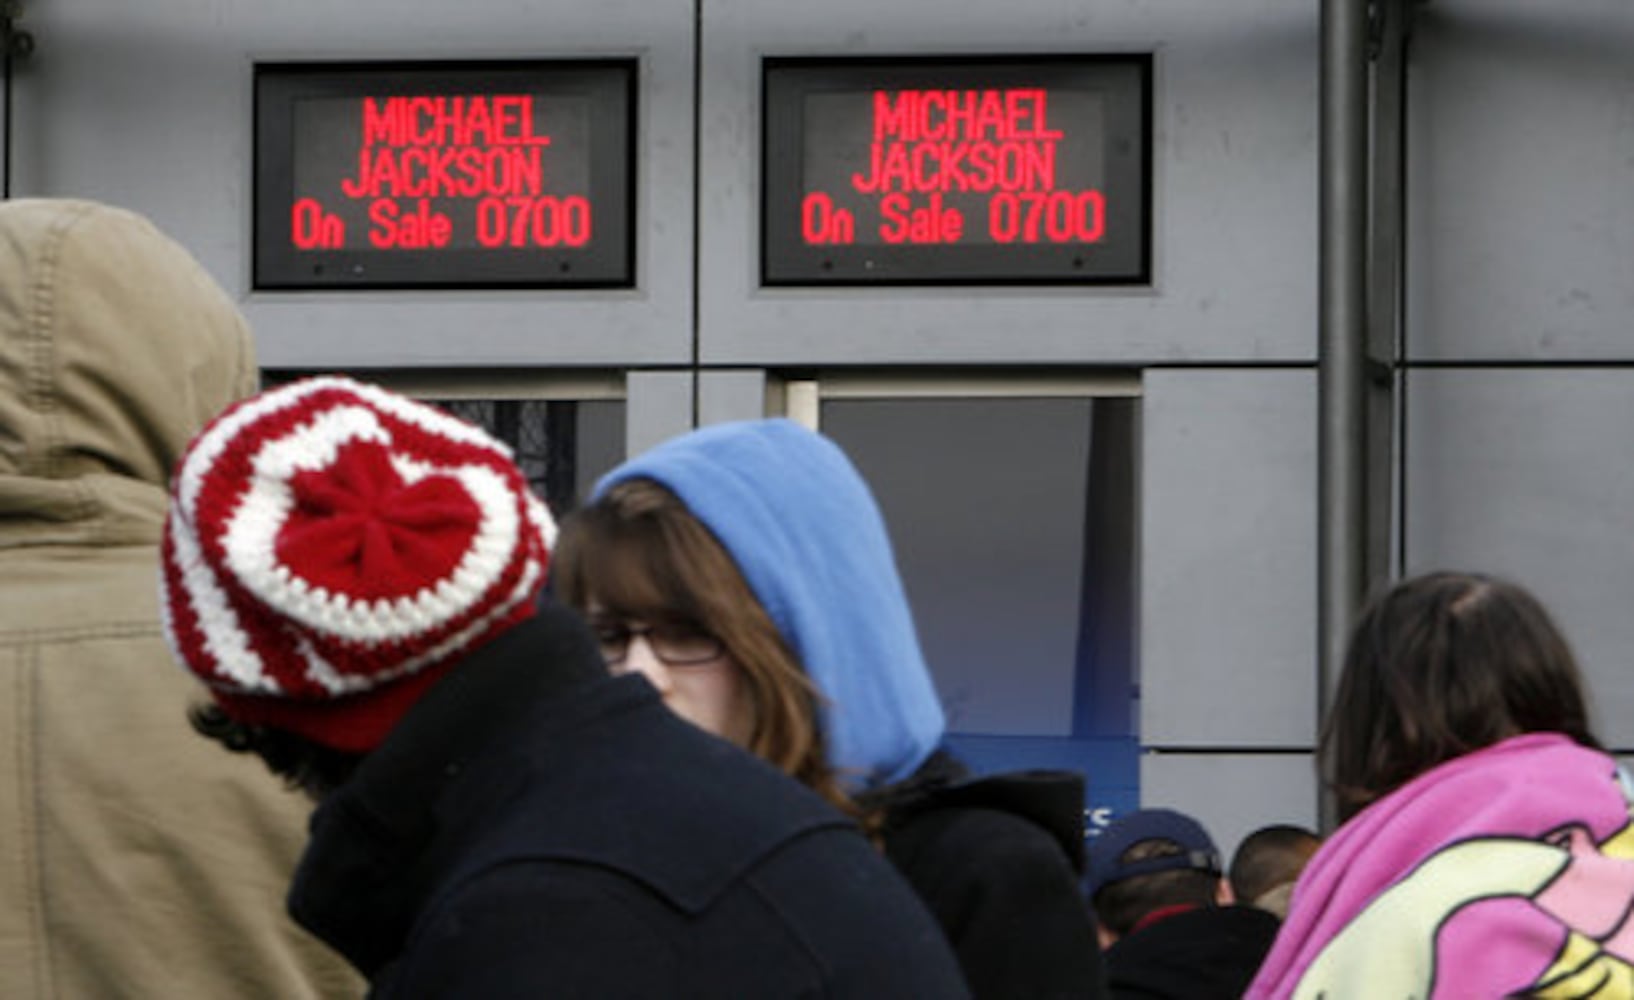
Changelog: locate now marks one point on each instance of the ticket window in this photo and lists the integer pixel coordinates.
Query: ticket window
(1012, 513)
(562, 446)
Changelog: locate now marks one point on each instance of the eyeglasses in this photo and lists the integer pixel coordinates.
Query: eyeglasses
(675, 645)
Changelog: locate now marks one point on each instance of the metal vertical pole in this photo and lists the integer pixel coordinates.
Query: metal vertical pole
(12, 41)
(16, 45)
(562, 456)
(5, 106)
(1386, 312)
(1342, 304)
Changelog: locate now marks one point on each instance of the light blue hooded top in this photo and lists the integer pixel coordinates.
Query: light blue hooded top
(809, 539)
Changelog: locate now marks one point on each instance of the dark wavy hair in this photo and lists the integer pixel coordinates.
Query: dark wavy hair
(1440, 665)
(305, 766)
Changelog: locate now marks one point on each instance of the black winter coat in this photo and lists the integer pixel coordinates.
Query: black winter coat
(532, 830)
(1209, 953)
(997, 859)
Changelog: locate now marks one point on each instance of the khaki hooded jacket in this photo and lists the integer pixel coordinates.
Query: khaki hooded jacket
(137, 859)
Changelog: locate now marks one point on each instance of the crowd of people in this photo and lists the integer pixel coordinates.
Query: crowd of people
(684, 743)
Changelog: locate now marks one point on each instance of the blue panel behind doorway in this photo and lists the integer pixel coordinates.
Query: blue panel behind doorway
(1014, 525)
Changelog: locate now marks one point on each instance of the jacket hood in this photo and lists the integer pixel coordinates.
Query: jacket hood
(116, 346)
(804, 529)
(1053, 801)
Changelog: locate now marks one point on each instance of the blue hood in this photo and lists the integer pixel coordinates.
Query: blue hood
(806, 533)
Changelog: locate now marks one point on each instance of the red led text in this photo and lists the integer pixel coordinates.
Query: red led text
(539, 222)
(444, 172)
(930, 223)
(821, 221)
(494, 120)
(960, 140)
(312, 228)
(915, 115)
(417, 228)
(434, 172)
(958, 166)
(441, 147)
(1058, 217)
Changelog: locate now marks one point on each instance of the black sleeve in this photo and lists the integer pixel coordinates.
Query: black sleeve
(539, 929)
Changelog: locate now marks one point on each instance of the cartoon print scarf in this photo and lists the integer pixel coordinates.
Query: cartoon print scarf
(1509, 871)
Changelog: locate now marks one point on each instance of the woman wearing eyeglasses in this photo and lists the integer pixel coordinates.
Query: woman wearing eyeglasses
(745, 570)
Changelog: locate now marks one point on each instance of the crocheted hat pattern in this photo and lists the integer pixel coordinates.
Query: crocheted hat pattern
(333, 548)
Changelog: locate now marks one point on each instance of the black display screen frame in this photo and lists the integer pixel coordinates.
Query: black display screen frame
(1124, 256)
(607, 261)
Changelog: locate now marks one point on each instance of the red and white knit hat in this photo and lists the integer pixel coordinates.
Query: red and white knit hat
(333, 549)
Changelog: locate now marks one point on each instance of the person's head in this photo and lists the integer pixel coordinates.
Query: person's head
(1268, 862)
(1148, 860)
(332, 551)
(761, 537)
(1440, 665)
(116, 346)
(666, 601)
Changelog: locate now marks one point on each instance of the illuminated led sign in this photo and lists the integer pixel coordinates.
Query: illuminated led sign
(980, 170)
(437, 175)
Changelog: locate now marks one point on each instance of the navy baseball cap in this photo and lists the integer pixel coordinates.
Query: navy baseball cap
(1197, 850)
